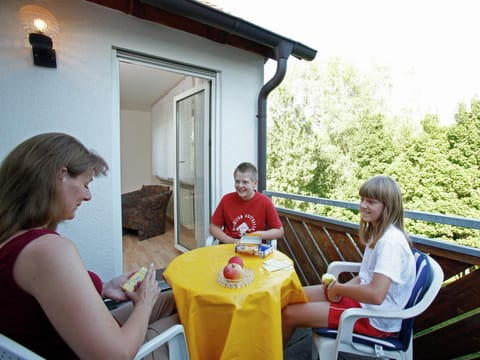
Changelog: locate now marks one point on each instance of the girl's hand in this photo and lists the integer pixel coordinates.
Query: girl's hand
(330, 292)
(147, 291)
(112, 289)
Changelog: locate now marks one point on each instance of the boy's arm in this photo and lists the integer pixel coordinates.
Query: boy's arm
(273, 222)
(271, 234)
(217, 233)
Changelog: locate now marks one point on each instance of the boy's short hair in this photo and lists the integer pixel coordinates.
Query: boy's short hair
(246, 167)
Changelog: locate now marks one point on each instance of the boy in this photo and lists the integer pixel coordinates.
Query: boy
(245, 210)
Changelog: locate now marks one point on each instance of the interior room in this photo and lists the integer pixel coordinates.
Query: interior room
(148, 158)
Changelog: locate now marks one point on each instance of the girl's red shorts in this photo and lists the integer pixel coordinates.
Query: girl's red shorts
(362, 326)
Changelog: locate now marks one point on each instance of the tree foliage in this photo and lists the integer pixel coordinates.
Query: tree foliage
(330, 129)
(295, 164)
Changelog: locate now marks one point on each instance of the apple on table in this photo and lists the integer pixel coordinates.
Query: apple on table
(236, 260)
(233, 271)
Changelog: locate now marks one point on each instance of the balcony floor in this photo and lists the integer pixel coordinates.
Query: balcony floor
(299, 346)
(158, 250)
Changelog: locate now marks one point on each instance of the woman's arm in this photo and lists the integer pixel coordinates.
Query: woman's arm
(50, 269)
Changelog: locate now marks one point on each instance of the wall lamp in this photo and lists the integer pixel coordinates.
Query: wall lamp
(41, 26)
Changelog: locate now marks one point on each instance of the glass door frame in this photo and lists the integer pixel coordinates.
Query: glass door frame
(201, 172)
(214, 79)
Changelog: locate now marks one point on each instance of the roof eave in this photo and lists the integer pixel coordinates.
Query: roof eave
(215, 18)
(208, 22)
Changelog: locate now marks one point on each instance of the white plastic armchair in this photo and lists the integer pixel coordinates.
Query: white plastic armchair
(12, 350)
(328, 343)
(210, 241)
(174, 336)
(177, 344)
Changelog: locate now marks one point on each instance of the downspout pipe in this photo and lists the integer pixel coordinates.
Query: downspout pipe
(282, 52)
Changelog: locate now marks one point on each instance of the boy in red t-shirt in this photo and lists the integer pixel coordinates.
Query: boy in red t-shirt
(245, 210)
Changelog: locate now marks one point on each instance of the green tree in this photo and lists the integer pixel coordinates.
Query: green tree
(330, 129)
(295, 161)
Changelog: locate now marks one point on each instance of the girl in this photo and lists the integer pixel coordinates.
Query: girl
(387, 272)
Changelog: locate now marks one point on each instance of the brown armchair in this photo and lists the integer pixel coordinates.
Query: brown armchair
(145, 210)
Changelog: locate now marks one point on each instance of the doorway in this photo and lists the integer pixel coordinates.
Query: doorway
(165, 115)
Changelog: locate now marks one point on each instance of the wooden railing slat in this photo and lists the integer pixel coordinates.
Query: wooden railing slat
(459, 339)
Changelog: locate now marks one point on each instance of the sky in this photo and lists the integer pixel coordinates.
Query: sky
(430, 47)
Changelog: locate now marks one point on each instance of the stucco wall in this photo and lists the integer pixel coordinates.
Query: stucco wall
(80, 97)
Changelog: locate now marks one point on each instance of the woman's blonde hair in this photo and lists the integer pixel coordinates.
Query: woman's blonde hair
(28, 180)
(386, 190)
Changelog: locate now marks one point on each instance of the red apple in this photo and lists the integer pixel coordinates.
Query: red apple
(232, 271)
(237, 260)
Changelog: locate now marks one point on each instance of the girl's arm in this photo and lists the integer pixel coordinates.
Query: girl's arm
(50, 269)
(372, 293)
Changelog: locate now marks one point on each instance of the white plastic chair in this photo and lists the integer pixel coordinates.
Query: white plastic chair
(328, 343)
(174, 336)
(12, 350)
(177, 344)
(210, 241)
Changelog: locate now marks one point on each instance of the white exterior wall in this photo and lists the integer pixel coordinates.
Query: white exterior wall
(80, 97)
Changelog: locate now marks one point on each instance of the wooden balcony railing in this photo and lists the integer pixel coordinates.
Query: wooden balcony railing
(449, 329)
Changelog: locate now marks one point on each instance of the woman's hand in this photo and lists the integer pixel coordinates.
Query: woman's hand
(147, 291)
(112, 289)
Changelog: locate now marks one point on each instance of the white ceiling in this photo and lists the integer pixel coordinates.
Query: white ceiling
(141, 86)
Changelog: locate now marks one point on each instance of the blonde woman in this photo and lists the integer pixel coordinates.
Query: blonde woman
(50, 303)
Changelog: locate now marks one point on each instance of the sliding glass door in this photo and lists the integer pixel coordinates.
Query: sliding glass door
(192, 117)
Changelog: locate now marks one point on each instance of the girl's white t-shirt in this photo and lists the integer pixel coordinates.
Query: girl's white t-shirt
(392, 257)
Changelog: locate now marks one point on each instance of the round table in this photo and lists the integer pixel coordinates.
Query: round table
(231, 323)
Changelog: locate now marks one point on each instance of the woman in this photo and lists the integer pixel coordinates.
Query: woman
(387, 272)
(51, 303)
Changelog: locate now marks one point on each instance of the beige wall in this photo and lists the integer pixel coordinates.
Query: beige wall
(136, 149)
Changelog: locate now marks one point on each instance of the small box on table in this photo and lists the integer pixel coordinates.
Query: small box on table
(252, 245)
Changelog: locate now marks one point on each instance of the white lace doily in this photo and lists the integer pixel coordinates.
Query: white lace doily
(246, 280)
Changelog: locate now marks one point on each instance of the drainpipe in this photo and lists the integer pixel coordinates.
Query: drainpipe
(282, 51)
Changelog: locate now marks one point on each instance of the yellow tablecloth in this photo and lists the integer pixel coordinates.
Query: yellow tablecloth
(224, 323)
